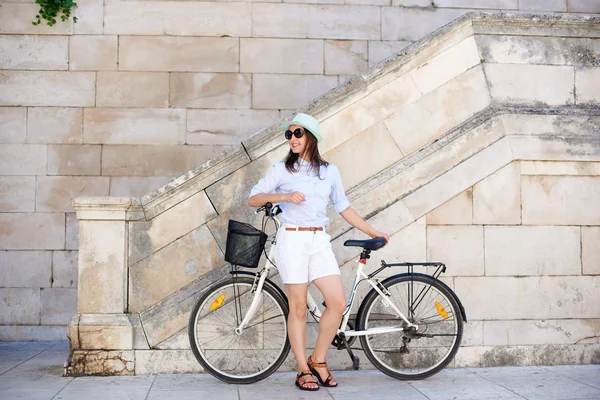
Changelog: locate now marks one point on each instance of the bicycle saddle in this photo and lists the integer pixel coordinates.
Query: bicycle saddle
(371, 244)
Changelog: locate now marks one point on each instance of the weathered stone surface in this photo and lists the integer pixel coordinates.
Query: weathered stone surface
(147, 237)
(58, 305)
(543, 5)
(226, 127)
(132, 89)
(101, 363)
(497, 198)
(587, 86)
(583, 6)
(166, 361)
(203, 90)
(72, 232)
(281, 56)
(398, 23)
(64, 268)
(456, 211)
(316, 21)
(73, 159)
(125, 186)
(138, 53)
(54, 125)
(105, 331)
(47, 88)
(557, 148)
(148, 160)
(134, 126)
(35, 333)
(345, 56)
(13, 124)
(17, 193)
(90, 17)
(531, 84)
(93, 53)
(435, 113)
(275, 91)
(590, 250)
(546, 297)
(185, 259)
(19, 306)
(459, 247)
(54, 193)
(22, 159)
(534, 250)
(536, 332)
(34, 52)
(16, 18)
(560, 168)
(561, 125)
(139, 337)
(561, 200)
(377, 151)
(193, 19)
(380, 50)
(25, 269)
(491, 4)
(32, 231)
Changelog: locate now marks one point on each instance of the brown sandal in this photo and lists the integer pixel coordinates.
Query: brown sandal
(304, 384)
(313, 365)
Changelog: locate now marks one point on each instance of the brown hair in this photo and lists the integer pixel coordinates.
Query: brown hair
(312, 150)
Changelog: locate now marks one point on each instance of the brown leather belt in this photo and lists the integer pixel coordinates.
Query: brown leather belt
(301, 228)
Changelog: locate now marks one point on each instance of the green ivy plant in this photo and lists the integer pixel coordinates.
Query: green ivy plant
(49, 10)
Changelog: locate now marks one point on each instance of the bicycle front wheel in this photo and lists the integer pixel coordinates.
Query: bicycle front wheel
(411, 354)
(239, 357)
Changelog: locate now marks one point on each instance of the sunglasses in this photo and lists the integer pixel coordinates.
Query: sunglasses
(298, 133)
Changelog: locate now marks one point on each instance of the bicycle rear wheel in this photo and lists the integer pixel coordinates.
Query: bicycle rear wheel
(411, 354)
(251, 355)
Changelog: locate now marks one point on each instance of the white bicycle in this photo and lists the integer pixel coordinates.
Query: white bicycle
(410, 324)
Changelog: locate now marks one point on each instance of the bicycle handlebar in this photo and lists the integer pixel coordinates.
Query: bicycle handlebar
(267, 207)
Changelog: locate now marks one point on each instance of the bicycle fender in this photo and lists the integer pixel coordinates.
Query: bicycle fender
(267, 282)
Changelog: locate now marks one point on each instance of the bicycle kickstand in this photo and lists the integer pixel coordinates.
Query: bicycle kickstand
(355, 360)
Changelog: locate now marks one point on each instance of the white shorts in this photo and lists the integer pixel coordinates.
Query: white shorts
(303, 256)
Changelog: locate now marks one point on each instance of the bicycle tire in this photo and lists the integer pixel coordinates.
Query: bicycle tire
(243, 371)
(412, 362)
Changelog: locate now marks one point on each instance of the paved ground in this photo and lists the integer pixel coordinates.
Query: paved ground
(33, 371)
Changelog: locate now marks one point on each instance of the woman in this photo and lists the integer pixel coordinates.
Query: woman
(303, 184)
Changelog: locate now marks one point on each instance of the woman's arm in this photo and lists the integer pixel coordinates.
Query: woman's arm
(260, 199)
(356, 221)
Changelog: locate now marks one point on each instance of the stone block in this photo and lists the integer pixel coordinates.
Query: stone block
(459, 247)
(543, 5)
(364, 155)
(456, 211)
(225, 127)
(410, 24)
(203, 90)
(47, 88)
(539, 332)
(555, 125)
(125, 186)
(561, 200)
(497, 198)
(554, 148)
(583, 6)
(275, 91)
(102, 280)
(64, 269)
(281, 56)
(472, 334)
(489, 4)
(166, 361)
(32, 52)
(54, 193)
(54, 125)
(90, 18)
(13, 124)
(32, 231)
(132, 89)
(85, 362)
(138, 53)
(587, 86)
(379, 51)
(521, 84)
(184, 260)
(73, 159)
(139, 336)
(58, 305)
(432, 115)
(25, 269)
(344, 22)
(521, 298)
(411, 3)
(19, 306)
(534, 250)
(22, 159)
(105, 331)
(134, 126)
(345, 56)
(93, 53)
(148, 160)
(72, 232)
(147, 237)
(590, 250)
(370, 2)
(191, 18)
(560, 168)
(17, 193)
(16, 18)
(34, 333)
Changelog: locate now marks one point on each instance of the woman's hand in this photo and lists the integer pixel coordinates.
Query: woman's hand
(295, 197)
(381, 235)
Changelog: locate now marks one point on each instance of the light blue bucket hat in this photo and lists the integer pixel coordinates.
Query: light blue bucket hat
(307, 122)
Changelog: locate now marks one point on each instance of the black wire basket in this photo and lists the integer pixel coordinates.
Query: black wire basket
(245, 244)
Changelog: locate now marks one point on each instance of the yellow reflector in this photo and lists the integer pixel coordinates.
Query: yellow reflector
(441, 310)
(217, 303)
